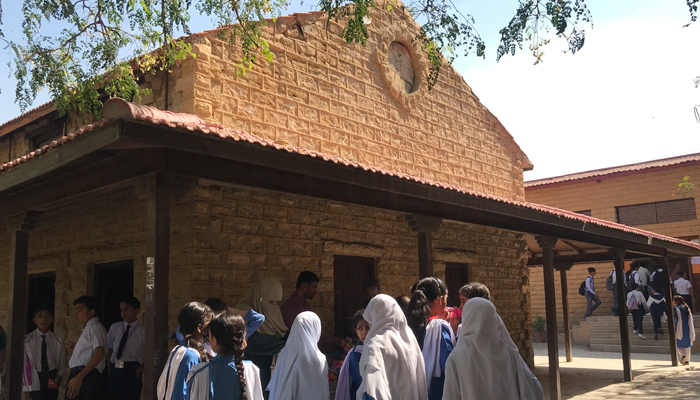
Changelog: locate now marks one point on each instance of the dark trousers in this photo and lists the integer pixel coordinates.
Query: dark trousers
(93, 387)
(688, 301)
(657, 323)
(592, 303)
(637, 318)
(615, 309)
(123, 383)
(45, 392)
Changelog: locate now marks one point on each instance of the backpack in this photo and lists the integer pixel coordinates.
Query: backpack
(582, 288)
(633, 304)
(608, 282)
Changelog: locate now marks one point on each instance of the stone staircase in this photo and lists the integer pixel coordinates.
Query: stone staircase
(605, 335)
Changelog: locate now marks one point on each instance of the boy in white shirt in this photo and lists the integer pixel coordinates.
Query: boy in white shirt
(684, 289)
(88, 360)
(637, 306)
(45, 358)
(125, 342)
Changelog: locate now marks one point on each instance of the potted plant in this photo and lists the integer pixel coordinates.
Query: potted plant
(538, 328)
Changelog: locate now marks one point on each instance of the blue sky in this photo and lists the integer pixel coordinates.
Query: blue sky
(626, 97)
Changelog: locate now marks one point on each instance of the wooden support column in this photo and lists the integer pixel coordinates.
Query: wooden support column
(19, 227)
(619, 261)
(424, 227)
(669, 313)
(547, 244)
(562, 268)
(157, 285)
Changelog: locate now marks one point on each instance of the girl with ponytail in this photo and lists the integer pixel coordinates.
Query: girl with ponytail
(685, 328)
(427, 319)
(226, 376)
(194, 321)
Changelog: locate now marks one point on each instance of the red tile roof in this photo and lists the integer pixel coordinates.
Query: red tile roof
(34, 110)
(623, 169)
(121, 109)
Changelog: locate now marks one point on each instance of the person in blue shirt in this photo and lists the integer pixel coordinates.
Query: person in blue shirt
(350, 378)
(226, 376)
(194, 321)
(427, 319)
(685, 328)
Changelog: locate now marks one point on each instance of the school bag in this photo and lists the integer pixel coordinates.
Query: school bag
(633, 304)
(608, 282)
(582, 288)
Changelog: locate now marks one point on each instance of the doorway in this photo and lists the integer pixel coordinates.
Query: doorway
(42, 293)
(113, 282)
(349, 274)
(456, 276)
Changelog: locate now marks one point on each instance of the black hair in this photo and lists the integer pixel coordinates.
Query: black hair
(475, 290)
(229, 331)
(368, 283)
(42, 307)
(217, 305)
(306, 277)
(634, 265)
(89, 302)
(359, 316)
(681, 300)
(191, 316)
(403, 302)
(423, 293)
(591, 269)
(132, 302)
(681, 273)
(633, 285)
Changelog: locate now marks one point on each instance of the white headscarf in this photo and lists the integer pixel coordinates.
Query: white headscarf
(301, 371)
(392, 364)
(486, 363)
(258, 299)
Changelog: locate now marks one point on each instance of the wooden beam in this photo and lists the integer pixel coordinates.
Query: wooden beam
(565, 311)
(573, 246)
(157, 281)
(19, 228)
(547, 244)
(619, 260)
(424, 228)
(585, 258)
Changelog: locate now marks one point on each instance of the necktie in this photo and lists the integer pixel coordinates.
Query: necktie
(44, 355)
(122, 343)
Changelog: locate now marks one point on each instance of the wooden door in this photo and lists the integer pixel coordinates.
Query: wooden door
(42, 293)
(349, 273)
(113, 282)
(456, 276)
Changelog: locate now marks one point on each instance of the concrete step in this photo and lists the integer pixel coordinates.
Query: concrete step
(616, 348)
(636, 341)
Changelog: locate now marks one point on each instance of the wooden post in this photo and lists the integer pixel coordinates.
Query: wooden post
(669, 313)
(17, 308)
(619, 261)
(157, 276)
(547, 244)
(424, 226)
(565, 309)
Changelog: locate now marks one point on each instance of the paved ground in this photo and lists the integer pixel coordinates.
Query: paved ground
(598, 375)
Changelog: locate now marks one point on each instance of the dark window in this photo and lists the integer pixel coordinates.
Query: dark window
(42, 293)
(456, 276)
(113, 282)
(349, 274)
(584, 212)
(657, 213)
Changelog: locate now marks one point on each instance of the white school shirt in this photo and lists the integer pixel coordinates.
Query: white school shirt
(55, 352)
(643, 275)
(634, 276)
(589, 284)
(682, 286)
(614, 277)
(94, 335)
(133, 348)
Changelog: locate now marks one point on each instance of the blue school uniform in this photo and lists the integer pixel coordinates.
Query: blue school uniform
(252, 319)
(176, 373)
(354, 369)
(222, 377)
(446, 346)
(685, 342)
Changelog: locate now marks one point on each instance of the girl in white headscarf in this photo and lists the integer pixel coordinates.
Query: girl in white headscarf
(267, 341)
(392, 364)
(486, 364)
(301, 371)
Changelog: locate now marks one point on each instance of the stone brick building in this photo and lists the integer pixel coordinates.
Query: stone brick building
(333, 158)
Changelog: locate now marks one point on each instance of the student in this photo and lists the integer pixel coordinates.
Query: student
(307, 284)
(44, 358)
(658, 279)
(486, 364)
(226, 376)
(471, 290)
(194, 320)
(349, 379)
(434, 334)
(267, 341)
(637, 306)
(371, 288)
(616, 308)
(657, 307)
(301, 371)
(252, 319)
(592, 300)
(634, 276)
(125, 342)
(644, 280)
(87, 363)
(391, 365)
(685, 328)
(684, 289)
